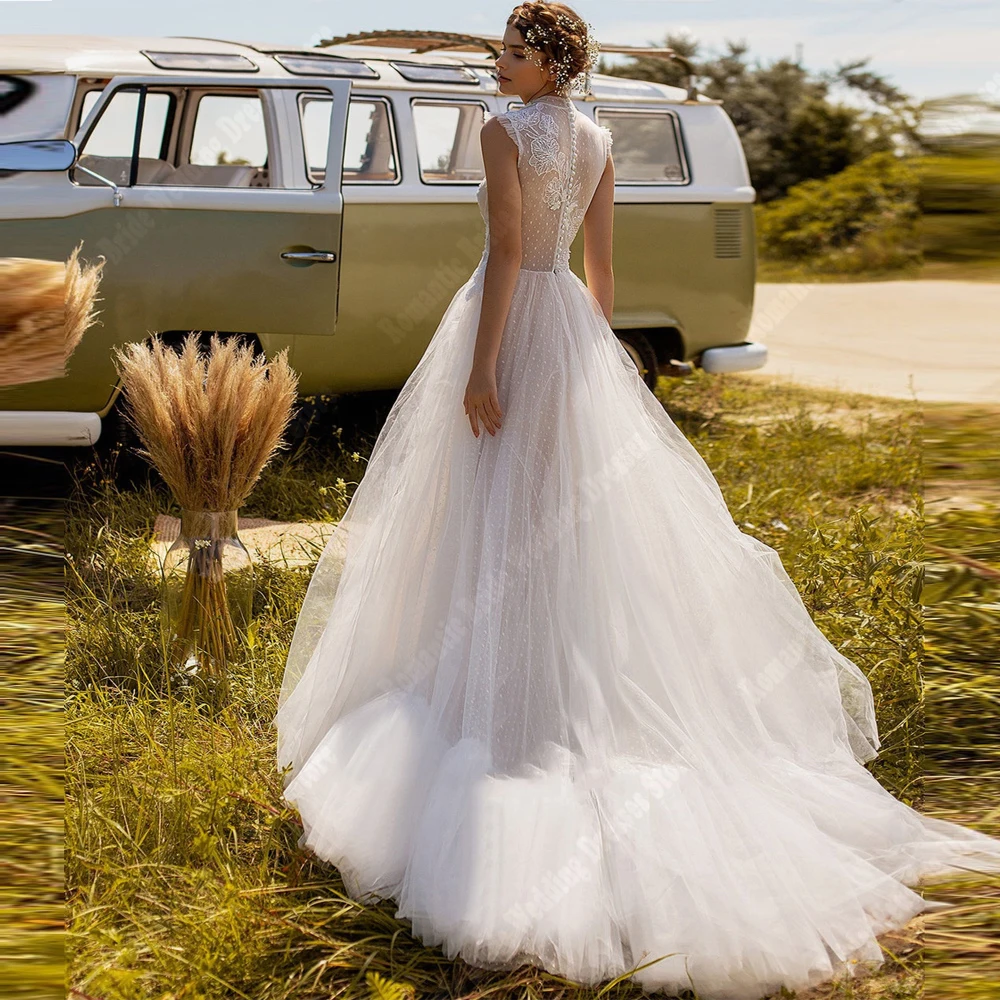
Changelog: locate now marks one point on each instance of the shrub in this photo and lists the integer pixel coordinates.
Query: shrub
(864, 218)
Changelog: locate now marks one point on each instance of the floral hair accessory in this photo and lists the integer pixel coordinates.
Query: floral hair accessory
(536, 35)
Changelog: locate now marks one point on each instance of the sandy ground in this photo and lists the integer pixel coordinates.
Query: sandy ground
(875, 337)
(295, 544)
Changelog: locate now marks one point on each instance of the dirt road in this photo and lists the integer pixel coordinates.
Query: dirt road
(873, 337)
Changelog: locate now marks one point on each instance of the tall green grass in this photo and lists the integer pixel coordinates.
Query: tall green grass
(960, 213)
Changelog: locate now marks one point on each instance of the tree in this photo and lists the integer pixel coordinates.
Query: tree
(790, 128)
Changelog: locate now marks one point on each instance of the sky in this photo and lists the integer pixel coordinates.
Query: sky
(927, 48)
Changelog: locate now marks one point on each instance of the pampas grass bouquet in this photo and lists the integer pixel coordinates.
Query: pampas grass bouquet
(209, 423)
(46, 306)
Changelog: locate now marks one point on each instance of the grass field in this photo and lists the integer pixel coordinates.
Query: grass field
(183, 878)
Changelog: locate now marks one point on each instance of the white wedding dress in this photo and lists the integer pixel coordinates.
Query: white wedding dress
(544, 692)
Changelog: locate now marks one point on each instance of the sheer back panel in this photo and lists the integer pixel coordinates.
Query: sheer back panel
(561, 155)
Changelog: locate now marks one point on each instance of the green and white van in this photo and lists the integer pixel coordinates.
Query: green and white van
(324, 199)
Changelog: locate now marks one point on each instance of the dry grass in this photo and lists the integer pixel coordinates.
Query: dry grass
(45, 308)
(209, 423)
(961, 667)
(32, 838)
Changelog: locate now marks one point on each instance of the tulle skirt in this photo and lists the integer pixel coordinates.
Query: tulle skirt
(545, 694)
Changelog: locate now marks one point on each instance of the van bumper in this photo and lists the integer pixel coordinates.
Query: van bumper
(49, 428)
(734, 357)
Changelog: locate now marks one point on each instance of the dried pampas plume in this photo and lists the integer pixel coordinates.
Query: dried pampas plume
(46, 306)
(208, 423)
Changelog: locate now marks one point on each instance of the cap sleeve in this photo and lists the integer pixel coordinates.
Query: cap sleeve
(510, 122)
(608, 140)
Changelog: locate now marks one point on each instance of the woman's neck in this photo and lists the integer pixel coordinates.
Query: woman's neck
(551, 93)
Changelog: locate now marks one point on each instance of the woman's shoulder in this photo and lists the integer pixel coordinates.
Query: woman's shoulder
(505, 121)
(520, 124)
(529, 118)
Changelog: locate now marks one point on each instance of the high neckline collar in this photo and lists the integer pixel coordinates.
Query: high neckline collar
(561, 98)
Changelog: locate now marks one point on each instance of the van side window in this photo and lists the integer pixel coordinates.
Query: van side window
(228, 145)
(107, 150)
(228, 130)
(89, 100)
(447, 135)
(647, 147)
(370, 146)
(228, 141)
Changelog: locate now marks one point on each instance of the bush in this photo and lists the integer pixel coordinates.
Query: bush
(865, 218)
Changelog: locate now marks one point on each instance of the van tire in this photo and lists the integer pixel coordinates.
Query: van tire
(641, 351)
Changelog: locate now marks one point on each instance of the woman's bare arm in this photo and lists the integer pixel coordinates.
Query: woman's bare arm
(502, 266)
(597, 227)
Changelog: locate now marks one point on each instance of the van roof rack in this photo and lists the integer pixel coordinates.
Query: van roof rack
(421, 42)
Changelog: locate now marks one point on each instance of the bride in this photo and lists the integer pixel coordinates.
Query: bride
(543, 692)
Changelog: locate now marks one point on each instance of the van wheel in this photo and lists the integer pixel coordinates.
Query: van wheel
(642, 354)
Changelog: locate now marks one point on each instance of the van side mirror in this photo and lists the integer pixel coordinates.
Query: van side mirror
(37, 154)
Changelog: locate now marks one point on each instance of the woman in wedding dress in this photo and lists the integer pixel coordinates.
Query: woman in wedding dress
(543, 692)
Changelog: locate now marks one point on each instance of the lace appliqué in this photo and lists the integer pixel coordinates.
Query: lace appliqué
(538, 133)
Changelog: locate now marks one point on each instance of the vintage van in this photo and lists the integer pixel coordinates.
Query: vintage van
(324, 199)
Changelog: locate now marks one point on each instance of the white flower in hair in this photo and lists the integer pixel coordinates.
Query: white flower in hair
(535, 35)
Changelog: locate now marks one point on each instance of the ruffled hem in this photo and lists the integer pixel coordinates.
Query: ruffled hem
(589, 868)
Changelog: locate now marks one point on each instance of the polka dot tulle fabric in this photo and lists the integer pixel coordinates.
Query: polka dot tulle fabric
(561, 155)
(545, 694)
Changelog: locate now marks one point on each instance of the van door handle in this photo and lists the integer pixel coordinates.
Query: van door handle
(312, 256)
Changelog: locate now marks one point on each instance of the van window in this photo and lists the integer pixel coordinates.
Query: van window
(228, 130)
(89, 100)
(33, 104)
(228, 144)
(107, 149)
(647, 146)
(370, 146)
(448, 141)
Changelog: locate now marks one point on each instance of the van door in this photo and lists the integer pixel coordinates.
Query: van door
(426, 231)
(216, 228)
(204, 211)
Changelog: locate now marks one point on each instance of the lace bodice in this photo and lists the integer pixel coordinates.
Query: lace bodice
(561, 156)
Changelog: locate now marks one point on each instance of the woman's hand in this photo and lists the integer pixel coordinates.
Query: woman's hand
(481, 401)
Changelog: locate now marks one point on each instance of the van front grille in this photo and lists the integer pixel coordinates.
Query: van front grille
(728, 233)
